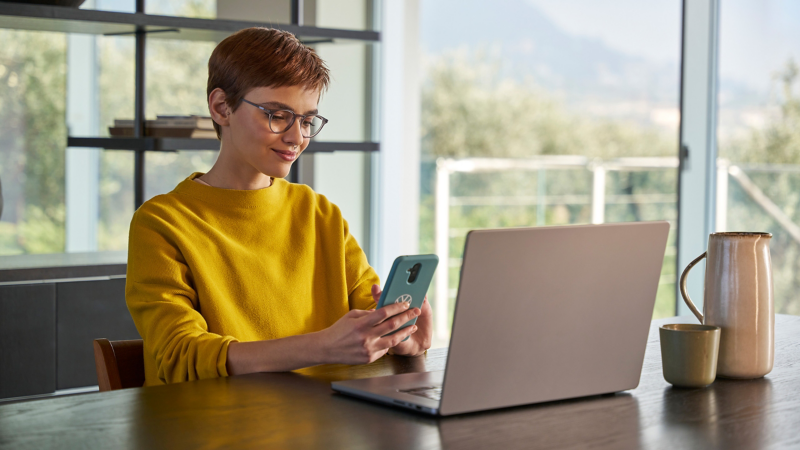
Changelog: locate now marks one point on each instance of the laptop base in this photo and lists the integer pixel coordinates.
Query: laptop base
(389, 390)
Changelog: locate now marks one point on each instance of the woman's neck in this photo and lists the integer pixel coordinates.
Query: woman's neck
(227, 174)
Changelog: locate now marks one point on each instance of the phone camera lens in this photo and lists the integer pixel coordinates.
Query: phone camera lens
(413, 272)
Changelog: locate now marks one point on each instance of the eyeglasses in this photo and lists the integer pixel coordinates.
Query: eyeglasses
(280, 120)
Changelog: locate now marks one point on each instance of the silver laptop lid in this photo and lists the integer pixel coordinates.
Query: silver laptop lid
(551, 313)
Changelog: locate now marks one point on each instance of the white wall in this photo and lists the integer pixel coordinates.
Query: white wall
(396, 187)
(696, 198)
(82, 165)
(343, 177)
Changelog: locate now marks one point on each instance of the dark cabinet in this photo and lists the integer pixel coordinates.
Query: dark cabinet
(87, 310)
(47, 329)
(27, 339)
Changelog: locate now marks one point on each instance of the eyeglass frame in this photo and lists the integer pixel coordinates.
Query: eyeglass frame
(270, 112)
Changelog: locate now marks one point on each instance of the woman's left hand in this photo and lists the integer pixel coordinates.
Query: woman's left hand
(420, 340)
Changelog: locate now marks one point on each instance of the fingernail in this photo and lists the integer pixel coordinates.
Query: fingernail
(414, 329)
(405, 305)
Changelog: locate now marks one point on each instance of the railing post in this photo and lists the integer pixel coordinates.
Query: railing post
(721, 222)
(541, 198)
(598, 193)
(442, 248)
(765, 202)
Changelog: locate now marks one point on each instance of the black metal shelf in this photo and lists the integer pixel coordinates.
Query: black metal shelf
(72, 20)
(174, 144)
(147, 26)
(21, 268)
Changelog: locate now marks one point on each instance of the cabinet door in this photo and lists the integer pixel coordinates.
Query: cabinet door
(88, 310)
(27, 340)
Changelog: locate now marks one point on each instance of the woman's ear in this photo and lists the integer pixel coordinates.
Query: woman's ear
(220, 112)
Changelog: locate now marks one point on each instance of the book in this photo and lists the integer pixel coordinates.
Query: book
(199, 122)
(193, 133)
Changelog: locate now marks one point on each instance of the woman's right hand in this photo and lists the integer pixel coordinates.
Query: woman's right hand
(359, 337)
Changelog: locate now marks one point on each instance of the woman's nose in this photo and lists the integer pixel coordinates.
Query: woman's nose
(294, 135)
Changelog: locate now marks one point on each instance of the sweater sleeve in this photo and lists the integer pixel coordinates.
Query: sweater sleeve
(360, 275)
(164, 305)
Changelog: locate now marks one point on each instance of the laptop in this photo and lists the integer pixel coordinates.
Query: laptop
(542, 314)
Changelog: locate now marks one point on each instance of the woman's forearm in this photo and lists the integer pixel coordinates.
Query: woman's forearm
(359, 337)
(276, 355)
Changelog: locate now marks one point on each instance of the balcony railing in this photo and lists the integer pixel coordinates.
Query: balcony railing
(597, 198)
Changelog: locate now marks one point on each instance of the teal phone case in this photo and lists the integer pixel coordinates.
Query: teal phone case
(398, 288)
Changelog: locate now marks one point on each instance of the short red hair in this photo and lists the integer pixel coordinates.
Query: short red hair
(263, 57)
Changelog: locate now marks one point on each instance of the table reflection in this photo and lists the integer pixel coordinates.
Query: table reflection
(554, 425)
(726, 414)
(265, 410)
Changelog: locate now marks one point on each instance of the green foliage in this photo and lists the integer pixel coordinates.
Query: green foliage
(468, 111)
(176, 74)
(779, 141)
(33, 138)
(776, 143)
(42, 231)
(9, 241)
(33, 128)
(205, 9)
(45, 128)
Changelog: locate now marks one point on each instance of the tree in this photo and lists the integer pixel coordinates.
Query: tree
(469, 110)
(33, 128)
(32, 139)
(777, 143)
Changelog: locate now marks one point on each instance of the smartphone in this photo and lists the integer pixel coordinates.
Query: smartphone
(408, 281)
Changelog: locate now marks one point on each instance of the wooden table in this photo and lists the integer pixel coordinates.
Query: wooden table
(299, 410)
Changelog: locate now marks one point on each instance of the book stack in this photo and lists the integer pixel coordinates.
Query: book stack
(197, 127)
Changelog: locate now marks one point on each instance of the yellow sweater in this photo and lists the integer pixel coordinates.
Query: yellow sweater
(210, 266)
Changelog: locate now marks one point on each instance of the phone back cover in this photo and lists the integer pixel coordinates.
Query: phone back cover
(398, 289)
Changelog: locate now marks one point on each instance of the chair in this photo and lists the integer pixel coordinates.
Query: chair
(120, 364)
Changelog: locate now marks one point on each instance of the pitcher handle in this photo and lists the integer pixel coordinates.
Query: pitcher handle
(685, 294)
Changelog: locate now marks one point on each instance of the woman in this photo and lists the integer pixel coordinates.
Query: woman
(238, 271)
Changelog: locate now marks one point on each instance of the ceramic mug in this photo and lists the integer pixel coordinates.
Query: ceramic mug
(689, 354)
(738, 298)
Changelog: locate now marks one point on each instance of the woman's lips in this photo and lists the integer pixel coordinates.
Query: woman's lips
(287, 155)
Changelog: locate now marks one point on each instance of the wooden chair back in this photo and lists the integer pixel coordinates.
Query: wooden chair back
(120, 364)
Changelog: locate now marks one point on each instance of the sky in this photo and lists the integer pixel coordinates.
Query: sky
(621, 61)
(646, 28)
(756, 36)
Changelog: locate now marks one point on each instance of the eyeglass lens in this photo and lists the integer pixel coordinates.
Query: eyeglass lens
(283, 120)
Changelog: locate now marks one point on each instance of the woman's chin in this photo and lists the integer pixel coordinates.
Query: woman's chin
(281, 171)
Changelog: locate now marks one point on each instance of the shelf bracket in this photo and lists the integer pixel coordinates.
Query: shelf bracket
(132, 33)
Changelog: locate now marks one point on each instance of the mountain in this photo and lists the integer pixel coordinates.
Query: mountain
(586, 72)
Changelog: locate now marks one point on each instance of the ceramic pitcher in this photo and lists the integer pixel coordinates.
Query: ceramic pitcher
(739, 300)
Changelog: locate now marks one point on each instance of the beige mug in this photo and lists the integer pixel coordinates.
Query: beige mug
(738, 298)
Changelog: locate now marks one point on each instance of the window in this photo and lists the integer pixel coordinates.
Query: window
(54, 85)
(32, 127)
(758, 165)
(546, 112)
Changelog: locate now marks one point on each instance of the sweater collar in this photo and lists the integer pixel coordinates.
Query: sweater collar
(232, 197)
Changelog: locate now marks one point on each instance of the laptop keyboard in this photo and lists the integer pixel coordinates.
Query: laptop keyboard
(431, 392)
